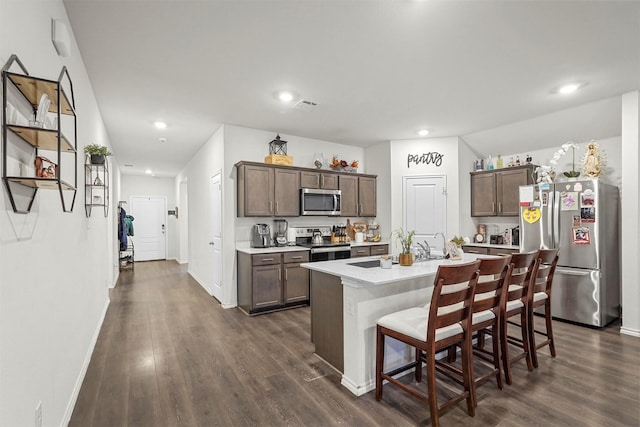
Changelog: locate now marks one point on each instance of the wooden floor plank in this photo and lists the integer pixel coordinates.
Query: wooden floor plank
(169, 355)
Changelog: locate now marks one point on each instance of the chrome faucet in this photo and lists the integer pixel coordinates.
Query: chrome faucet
(426, 249)
(444, 242)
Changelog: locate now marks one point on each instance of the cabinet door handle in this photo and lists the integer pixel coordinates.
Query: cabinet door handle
(279, 274)
(270, 206)
(319, 180)
(276, 206)
(286, 275)
(500, 207)
(493, 206)
(296, 257)
(267, 259)
(322, 181)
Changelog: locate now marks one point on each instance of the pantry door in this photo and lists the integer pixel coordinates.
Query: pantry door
(149, 227)
(425, 208)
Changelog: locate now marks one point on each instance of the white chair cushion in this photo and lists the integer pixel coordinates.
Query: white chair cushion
(514, 287)
(413, 322)
(483, 316)
(512, 305)
(539, 296)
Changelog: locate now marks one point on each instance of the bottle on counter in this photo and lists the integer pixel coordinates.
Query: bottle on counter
(499, 162)
(489, 164)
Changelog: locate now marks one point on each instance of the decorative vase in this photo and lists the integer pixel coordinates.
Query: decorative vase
(97, 159)
(405, 259)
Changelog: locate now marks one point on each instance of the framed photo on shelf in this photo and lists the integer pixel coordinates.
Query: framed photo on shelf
(454, 251)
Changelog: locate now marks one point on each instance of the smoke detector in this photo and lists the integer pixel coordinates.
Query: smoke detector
(304, 105)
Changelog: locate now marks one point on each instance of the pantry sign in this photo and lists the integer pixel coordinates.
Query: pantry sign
(430, 158)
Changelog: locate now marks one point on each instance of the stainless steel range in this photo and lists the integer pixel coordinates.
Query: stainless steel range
(318, 238)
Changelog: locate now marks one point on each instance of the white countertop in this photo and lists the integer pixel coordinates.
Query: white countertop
(245, 247)
(489, 245)
(363, 277)
(381, 242)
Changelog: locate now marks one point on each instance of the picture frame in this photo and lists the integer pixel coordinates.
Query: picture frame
(454, 251)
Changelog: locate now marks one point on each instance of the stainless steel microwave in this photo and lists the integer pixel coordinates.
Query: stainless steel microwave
(315, 201)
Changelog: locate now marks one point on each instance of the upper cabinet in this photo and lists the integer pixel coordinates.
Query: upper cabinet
(495, 193)
(310, 179)
(358, 195)
(268, 191)
(39, 114)
(273, 190)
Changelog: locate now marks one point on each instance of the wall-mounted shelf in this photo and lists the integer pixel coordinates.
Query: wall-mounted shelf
(96, 187)
(43, 137)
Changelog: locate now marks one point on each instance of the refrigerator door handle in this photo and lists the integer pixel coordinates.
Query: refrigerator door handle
(554, 220)
(572, 272)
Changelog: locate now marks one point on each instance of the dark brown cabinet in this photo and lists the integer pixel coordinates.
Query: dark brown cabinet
(274, 190)
(268, 191)
(358, 196)
(309, 179)
(372, 250)
(273, 281)
(496, 193)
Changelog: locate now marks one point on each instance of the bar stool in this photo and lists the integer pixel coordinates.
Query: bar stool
(540, 296)
(493, 274)
(441, 324)
(513, 303)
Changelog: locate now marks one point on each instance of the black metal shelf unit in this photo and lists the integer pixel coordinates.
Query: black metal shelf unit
(23, 186)
(96, 186)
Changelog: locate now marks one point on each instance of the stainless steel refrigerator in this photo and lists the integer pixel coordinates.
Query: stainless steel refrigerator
(582, 219)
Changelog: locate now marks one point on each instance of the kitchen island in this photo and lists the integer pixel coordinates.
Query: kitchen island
(347, 301)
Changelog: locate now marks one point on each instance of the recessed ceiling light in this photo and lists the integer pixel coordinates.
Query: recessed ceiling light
(160, 125)
(423, 132)
(285, 96)
(148, 171)
(568, 88)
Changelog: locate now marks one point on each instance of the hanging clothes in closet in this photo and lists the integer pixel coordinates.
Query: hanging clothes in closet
(122, 228)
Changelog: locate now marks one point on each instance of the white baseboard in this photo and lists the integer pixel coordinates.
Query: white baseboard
(83, 370)
(629, 331)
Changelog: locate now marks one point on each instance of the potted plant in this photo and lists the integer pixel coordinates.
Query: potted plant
(405, 239)
(97, 153)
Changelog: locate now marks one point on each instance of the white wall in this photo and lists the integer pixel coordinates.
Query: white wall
(207, 162)
(54, 266)
(136, 185)
(448, 148)
(377, 160)
(630, 208)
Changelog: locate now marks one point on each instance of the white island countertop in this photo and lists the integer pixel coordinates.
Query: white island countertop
(355, 276)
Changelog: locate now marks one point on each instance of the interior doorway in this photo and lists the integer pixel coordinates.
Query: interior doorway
(149, 227)
(216, 235)
(425, 208)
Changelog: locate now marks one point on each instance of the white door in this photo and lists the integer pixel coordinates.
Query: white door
(216, 238)
(425, 207)
(149, 227)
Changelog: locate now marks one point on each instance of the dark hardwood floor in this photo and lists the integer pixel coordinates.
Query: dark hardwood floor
(169, 355)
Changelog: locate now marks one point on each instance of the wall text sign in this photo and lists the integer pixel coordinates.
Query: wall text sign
(433, 158)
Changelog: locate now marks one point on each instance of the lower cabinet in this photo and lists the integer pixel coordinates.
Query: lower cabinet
(483, 250)
(273, 281)
(372, 250)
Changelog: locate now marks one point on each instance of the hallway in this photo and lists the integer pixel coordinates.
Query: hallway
(169, 355)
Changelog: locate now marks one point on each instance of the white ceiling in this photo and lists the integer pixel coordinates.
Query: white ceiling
(378, 70)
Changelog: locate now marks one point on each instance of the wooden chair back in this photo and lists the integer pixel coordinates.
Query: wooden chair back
(452, 298)
(523, 273)
(493, 274)
(546, 269)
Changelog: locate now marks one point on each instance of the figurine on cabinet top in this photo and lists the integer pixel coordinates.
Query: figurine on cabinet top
(592, 166)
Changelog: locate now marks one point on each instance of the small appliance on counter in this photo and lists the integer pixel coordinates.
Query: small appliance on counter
(280, 231)
(260, 236)
(291, 236)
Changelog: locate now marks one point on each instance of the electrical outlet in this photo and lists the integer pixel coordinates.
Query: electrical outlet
(38, 420)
